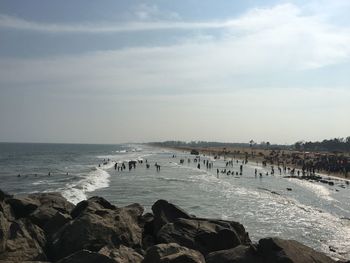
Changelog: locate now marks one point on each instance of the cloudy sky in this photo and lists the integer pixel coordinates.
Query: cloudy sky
(119, 71)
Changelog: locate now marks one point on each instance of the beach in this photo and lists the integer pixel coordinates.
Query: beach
(313, 213)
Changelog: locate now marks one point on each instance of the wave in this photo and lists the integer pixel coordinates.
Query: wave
(319, 190)
(75, 192)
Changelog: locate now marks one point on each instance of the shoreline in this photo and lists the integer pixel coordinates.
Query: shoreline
(240, 153)
(46, 227)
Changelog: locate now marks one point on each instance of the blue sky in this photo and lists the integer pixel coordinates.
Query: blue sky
(117, 71)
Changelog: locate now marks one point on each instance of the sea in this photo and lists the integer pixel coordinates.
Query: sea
(312, 213)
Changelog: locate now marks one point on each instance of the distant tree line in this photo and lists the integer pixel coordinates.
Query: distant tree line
(206, 144)
(331, 145)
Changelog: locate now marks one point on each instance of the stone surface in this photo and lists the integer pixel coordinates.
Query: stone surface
(203, 235)
(172, 253)
(97, 224)
(85, 256)
(239, 254)
(165, 212)
(122, 254)
(280, 251)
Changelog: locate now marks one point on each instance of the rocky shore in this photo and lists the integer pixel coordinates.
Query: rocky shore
(45, 227)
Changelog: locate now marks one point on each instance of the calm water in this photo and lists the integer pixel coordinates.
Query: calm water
(312, 213)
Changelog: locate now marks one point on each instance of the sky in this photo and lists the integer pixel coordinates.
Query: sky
(115, 71)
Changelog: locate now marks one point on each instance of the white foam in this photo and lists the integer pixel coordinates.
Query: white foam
(96, 179)
(320, 190)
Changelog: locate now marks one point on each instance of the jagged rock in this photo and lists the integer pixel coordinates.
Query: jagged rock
(122, 255)
(21, 240)
(98, 224)
(85, 256)
(239, 254)
(53, 200)
(172, 253)
(204, 235)
(279, 250)
(165, 212)
(56, 222)
(4, 195)
(92, 204)
(22, 206)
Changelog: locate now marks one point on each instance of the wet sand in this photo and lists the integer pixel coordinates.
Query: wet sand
(258, 156)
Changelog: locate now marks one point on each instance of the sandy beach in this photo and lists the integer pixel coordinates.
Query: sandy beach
(273, 157)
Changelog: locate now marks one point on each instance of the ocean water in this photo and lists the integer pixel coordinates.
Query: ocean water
(315, 214)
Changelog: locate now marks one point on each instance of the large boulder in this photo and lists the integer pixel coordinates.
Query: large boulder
(85, 256)
(91, 205)
(22, 206)
(172, 253)
(53, 200)
(97, 224)
(165, 212)
(122, 254)
(21, 241)
(239, 254)
(277, 250)
(204, 235)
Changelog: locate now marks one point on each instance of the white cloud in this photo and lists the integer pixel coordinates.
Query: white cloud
(268, 43)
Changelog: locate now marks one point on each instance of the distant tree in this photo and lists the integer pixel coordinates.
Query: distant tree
(251, 142)
(268, 144)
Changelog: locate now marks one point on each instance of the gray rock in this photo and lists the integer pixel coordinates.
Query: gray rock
(122, 254)
(96, 226)
(22, 206)
(239, 254)
(165, 212)
(204, 235)
(280, 251)
(172, 253)
(21, 240)
(85, 256)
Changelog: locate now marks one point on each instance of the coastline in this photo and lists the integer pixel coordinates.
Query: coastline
(46, 227)
(254, 156)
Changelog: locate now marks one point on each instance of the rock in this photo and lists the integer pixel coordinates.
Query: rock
(204, 235)
(279, 250)
(92, 204)
(56, 222)
(21, 241)
(122, 255)
(97, 224)
(22, 206)
(172, 253)
(4, 195)
(165, 212)
(53, 200)
(239, 254)
(85, 256)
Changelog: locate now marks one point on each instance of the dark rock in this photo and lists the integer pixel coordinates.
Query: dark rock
(22, 206)
(53, 200)
(98, 224)
(91, 205)
(239, 254)
(279, 250)
(122, 254)
(204, 235)
(56, 222)
(21, 241)
(172, 253)
(85, 256)
(4, 195)
(165, 212)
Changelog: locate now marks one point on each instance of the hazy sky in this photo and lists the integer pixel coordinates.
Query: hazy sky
(120, 71)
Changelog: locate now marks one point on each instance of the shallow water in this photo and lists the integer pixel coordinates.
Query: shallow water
(312, 213)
